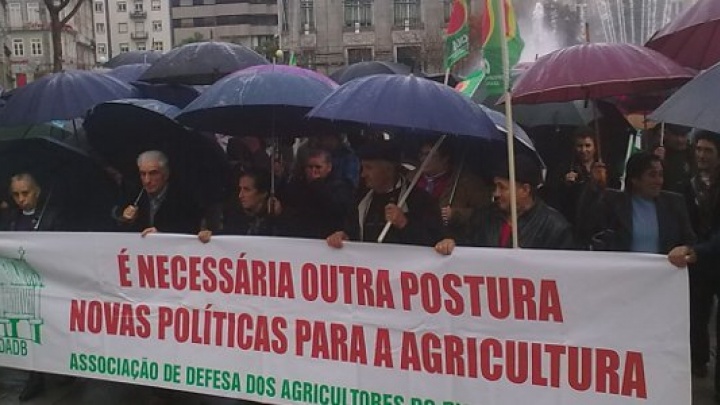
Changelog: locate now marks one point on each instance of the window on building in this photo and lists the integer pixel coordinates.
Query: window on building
(410, 56)
(307, 59)
(141, 46)
(122, 28)
(356, 55)
(33, 11)
(447, 9)
(99, 7)
(157, 26)
(124, 47)
(358, 12)
(102, 49)
(406, 13)
(15, 14)
(155, 5)
(36, 48)
(122, 7)
(158, 46)
(139, 6)
(307, 15)
(139, 27)
(18, 47)
(100, 28)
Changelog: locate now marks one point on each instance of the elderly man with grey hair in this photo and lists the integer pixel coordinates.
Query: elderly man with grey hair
(161, 205)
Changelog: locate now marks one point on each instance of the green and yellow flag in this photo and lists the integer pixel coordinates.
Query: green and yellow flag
(471, 83)
(492, 50)
(457, 34)
(293, 59)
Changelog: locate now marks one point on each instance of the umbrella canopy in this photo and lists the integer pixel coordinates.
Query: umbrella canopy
(179, 95)
(405, 104)
(122, 129)
(695, 104)
(693, 37)
(291, 70)
(61, 96)
(570, 113)
(597, 70)
(128, 73)
(363, 69)
(263, 103)
(78, 185)
(520, 135)
(201, 63)
(132, 58)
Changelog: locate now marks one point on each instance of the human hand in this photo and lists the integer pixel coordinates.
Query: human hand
(148, 231)
(336, 240)
(445, 247)
(274, 206)
(660, 152)
(681, 256)
(395, 216)
(130, 213)
(571, 177)
(205, 235)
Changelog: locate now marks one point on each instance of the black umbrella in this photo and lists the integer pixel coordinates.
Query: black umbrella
(73, 183)
(120, 130)
(362, 69)
(201, 63)
(133, 57)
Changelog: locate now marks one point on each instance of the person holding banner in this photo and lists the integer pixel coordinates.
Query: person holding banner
(540, 226)
(28, 215)
(160, 206)
(415, 223)
(644, 217)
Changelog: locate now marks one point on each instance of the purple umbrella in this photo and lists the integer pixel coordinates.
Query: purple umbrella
(597, 70)
(292, 70)
(692, 38)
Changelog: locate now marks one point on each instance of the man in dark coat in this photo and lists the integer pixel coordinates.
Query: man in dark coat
(417, 222)
(643, 218)
(162, 206)
(30, 214)
(317, 204)
(540, 226)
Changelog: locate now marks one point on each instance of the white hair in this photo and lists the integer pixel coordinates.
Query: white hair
(155, 156)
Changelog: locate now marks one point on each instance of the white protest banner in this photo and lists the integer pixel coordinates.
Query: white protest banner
(292, 321)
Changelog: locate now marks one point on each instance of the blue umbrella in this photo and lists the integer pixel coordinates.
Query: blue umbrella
(129, 73)
(179, 95)
(133, 57)
(61, 96)
(405, 104)
(263, 103)
(120, 130)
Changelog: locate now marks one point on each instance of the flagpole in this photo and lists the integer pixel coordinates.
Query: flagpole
(509, 121)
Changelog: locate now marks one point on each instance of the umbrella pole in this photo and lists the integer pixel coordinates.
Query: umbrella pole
(404, 196)
(662, 133)
(456, 181)
(42, 213)
(510, 127)
(598, 140)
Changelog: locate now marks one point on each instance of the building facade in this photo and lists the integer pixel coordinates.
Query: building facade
(328, 34)
(30, 43)
(253, 23)
(131, 25)
(4, 48)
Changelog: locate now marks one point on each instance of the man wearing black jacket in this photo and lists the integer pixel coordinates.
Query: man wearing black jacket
(540, 226)
(417, 222)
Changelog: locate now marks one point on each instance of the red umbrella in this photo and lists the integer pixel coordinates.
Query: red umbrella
(597, 70)
(693, 37)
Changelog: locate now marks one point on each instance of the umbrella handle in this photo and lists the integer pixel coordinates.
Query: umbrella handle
(404, 196)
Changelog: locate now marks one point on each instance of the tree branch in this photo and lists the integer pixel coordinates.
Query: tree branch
(72, 12)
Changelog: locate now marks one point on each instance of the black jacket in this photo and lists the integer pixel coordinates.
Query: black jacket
(50, 221)
(178, 213)
(541, 227)
(316, 209)
(424, 224)
(612, 226)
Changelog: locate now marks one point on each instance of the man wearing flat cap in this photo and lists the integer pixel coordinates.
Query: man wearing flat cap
(540, 226)
(417, 222)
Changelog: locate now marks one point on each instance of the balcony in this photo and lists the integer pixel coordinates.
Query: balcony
(138, 15)
(139, 35)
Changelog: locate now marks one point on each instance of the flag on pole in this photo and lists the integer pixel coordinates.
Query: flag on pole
(293, 59)
(471, 83)
(491, 37)
(457, 34)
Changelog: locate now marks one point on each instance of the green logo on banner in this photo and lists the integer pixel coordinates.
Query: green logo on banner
(20, 317)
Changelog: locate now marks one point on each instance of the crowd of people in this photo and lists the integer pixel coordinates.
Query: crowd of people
(669, 204)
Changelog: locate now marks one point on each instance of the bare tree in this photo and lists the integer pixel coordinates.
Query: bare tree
(57, 25)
